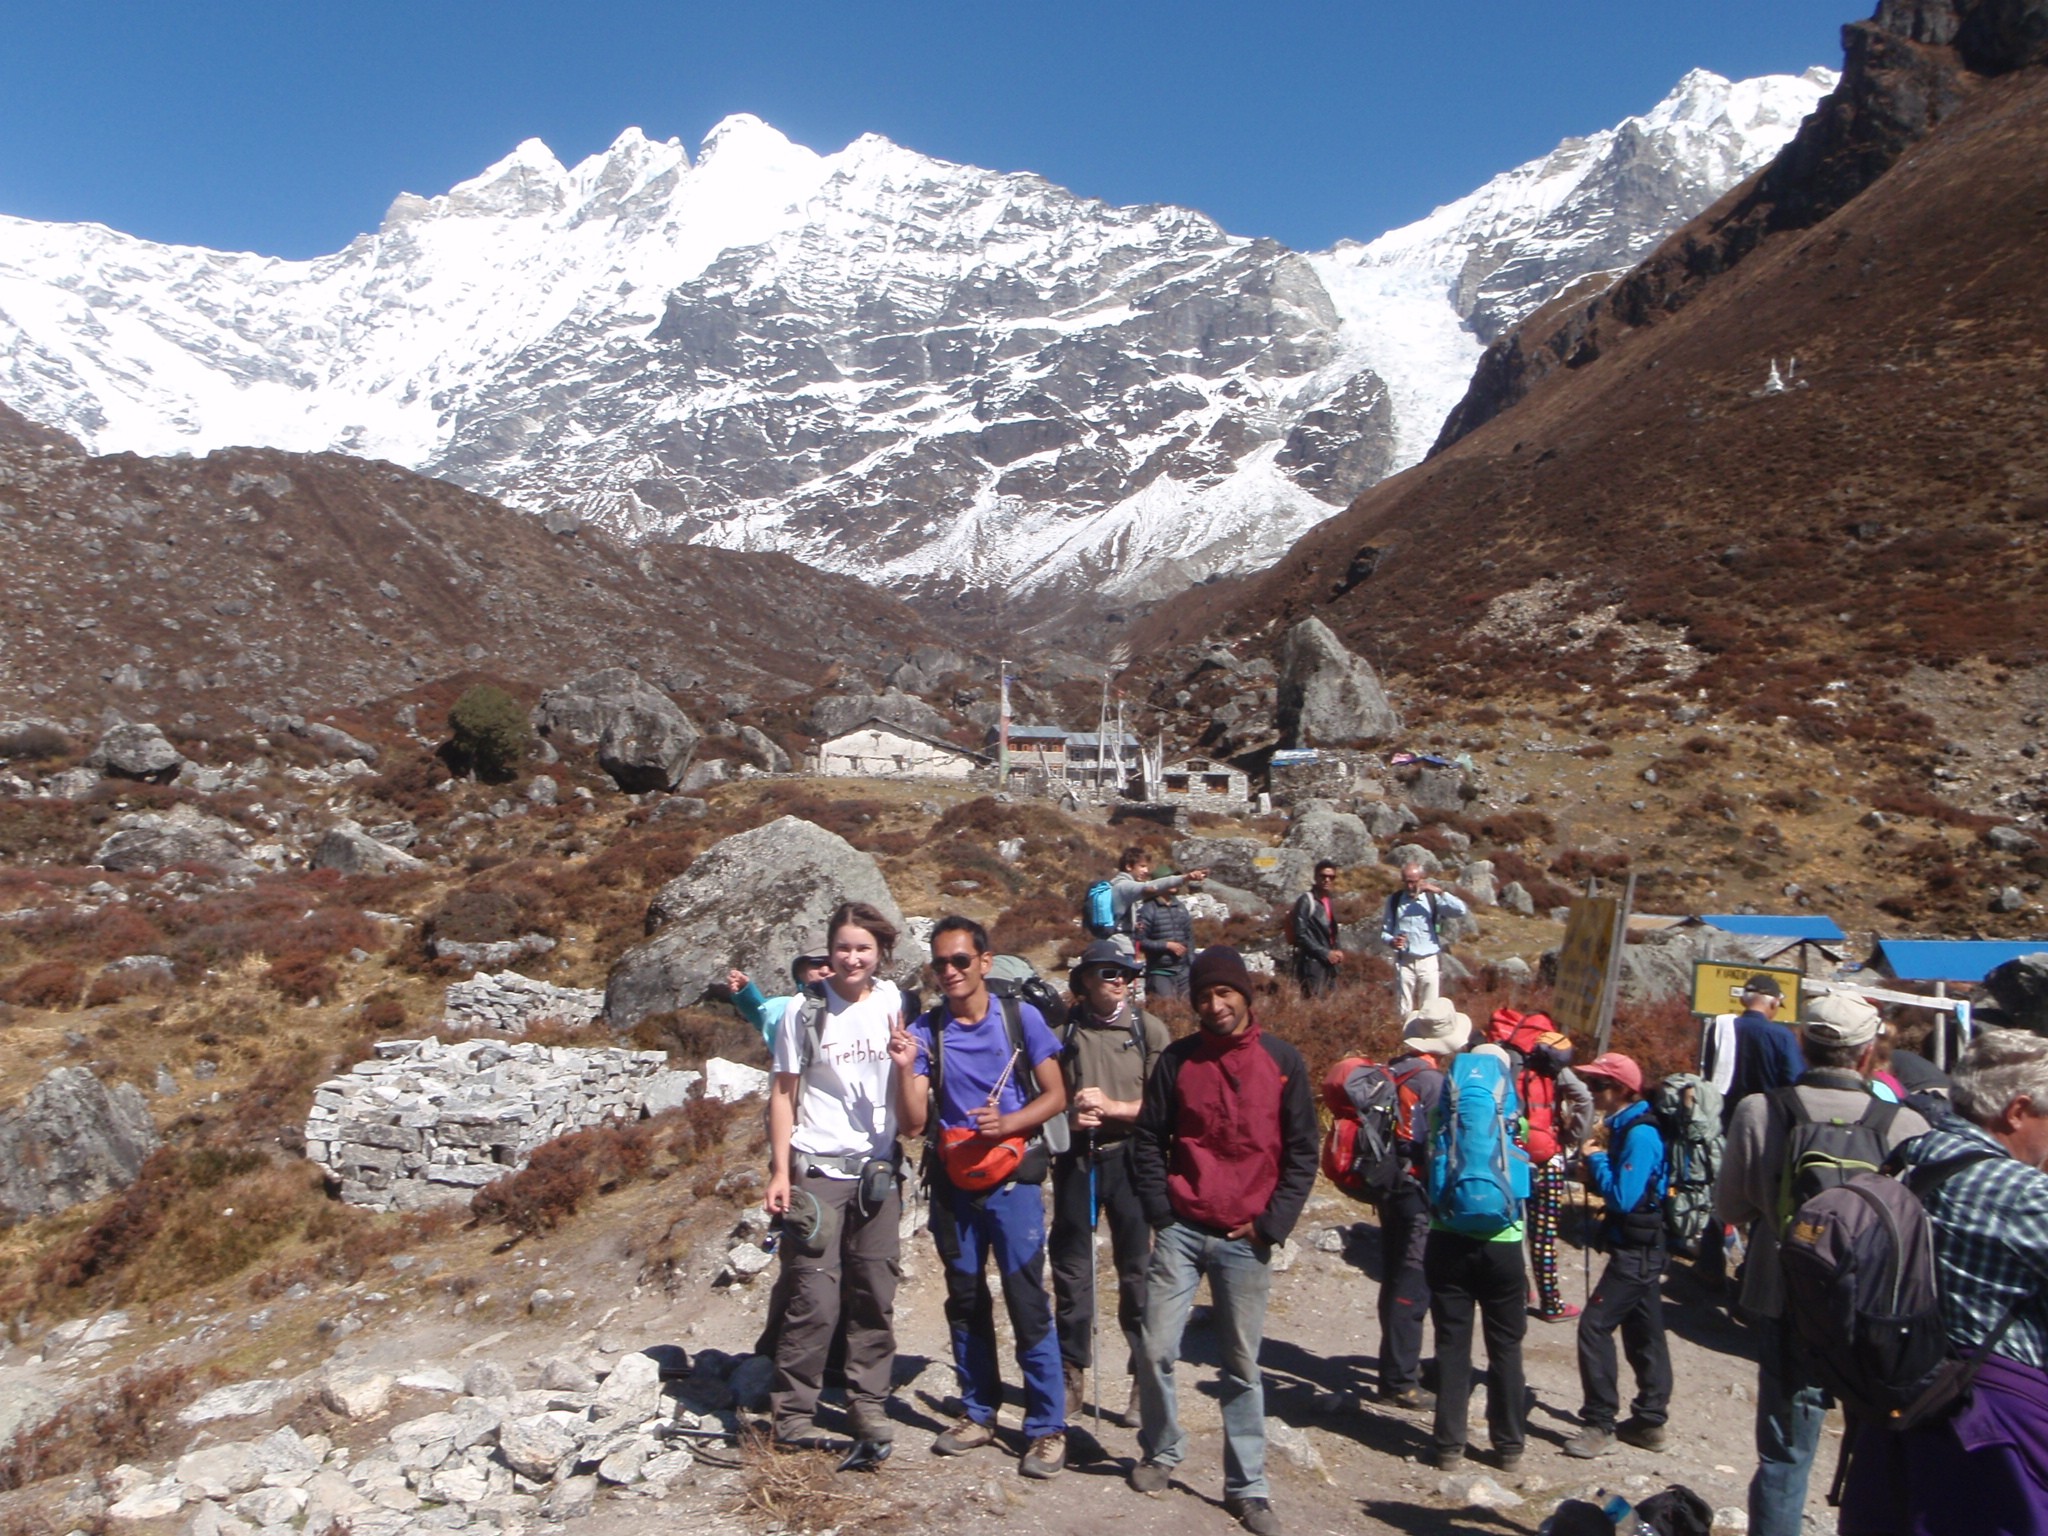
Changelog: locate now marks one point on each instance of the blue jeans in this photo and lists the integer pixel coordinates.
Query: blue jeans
(1788, 1419)
(1009, 1223)
(1239, 1282)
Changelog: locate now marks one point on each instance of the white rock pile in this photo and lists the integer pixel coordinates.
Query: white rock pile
(428, 1124)
(509, 1002)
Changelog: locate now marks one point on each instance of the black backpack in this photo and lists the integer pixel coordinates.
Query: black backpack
(1825, 1154)
(1862, 1298)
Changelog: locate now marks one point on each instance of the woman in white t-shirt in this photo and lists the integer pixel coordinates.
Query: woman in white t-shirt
(842, 1060)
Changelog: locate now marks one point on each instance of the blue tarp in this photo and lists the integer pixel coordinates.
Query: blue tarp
(1778, 925)
(1949, 959)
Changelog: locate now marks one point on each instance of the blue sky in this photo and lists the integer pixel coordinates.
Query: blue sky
(286, 127)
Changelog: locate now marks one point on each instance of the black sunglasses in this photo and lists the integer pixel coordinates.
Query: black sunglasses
(958, 962)
(1111, 973)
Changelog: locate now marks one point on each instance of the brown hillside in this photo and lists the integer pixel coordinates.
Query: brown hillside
(1654, 520)
(253, 579)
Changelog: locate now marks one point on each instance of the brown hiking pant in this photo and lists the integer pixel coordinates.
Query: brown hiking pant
(857, 1279)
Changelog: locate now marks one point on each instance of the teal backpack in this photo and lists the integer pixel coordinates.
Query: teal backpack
(1478, 1177)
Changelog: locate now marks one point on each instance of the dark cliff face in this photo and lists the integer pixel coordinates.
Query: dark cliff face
(1905, 70)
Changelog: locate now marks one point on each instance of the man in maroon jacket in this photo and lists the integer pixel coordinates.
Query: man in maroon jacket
(1223, 1158)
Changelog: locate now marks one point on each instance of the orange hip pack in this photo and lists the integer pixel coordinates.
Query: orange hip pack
(975, 1163)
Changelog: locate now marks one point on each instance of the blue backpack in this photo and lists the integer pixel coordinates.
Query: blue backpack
(1478, 1178)
(1098, 910)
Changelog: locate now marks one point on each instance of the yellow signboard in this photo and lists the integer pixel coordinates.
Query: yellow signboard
(1582, 964)
(1717, 987)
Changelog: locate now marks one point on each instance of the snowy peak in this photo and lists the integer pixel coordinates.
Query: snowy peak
(919, 372)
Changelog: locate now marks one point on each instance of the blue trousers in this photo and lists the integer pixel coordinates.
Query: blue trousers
(1239, 1282)
(1789, 1411)
(1008, 1223)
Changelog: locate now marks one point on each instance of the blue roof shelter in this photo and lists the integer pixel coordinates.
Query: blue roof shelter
(1823, 930)
(1965, 960)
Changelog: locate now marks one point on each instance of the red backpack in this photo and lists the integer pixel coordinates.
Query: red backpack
(1372, 1112)
(1544, 1051)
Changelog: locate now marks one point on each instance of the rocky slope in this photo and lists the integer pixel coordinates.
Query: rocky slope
(940, 377)
(1791, 466)
(278, 582)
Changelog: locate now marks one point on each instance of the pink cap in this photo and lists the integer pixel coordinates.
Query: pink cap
(1616, 1068)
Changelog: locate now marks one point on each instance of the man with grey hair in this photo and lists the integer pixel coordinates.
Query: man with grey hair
(1981, 1468)
(1831, 1109)
(1412, 927)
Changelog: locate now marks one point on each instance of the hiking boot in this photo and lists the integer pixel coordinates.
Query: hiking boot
(1255, 1515)
(966, 1435)
(1045, 1457)
(1412, 1398)
(1150, 1477)
(871, 1424)
(1644, 1437)
(1444, 1460)
(1594, 1440)
(1074, 1380)
(1508, 1461)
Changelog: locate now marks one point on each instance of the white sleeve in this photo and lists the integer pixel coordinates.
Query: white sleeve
(789, 1040)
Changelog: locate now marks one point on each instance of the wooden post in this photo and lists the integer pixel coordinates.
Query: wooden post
(1613, 982)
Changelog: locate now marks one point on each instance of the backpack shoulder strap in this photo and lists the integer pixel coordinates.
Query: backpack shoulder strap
(1013, 1026)
(1923, 1179)
(811, 1020)
(1879, 1115)
(935, 1058)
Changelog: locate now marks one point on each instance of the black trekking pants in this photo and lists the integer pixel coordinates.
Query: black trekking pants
(1468, 1274)
(1404, 1289)
(1629, 1297)
(1073, 1259)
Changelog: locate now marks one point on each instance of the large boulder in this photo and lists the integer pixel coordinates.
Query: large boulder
(2019, 990)
(72, 1139)
(347, 848)
(1272, 874)
(148, 841)
(755, 900)
(138, 752)
(643, 740)
(843, 711)
(1322, 830)
(1328, 697)
(764, 750)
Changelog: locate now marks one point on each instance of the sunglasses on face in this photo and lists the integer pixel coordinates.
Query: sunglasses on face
(959, 962)
(1108, 973)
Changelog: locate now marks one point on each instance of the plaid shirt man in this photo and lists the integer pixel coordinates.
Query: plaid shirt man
(1990, 1242)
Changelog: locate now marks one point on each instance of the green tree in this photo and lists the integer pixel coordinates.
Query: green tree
(490, 730)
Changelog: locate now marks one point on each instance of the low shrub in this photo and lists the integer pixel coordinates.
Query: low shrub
(304, 978)
(34, 744)
(45, 984)
(561, 1175)
(122, 1419)
(489, 730)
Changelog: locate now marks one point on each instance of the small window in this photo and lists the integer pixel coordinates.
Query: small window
(1216, 783)
(1177, 783)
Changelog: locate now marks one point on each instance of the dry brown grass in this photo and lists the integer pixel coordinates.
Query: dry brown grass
(125, 1418)
(801, 1492)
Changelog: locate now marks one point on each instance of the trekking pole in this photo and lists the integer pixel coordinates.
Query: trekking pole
(1095, 1284)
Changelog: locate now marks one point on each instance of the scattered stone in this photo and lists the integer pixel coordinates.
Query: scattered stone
(349, 850)
(1248, 865)
(570, 1499)
(221, 1471)
(432, 1379)
(1296, 1447)
(565, 1373)
(138, 752)
(1328, 1240)
(622, 1466)
(144, 842)
(357, 1394)
(2010, 840)
(151, 1501)
(749, 901)
(1404, 854)
(744, 1263)
(2008, 899)
(1477, 878)
(1282, 1258)
(536, 1446)
(634, 1386)
(336, 742)
(271, 1506)
(1477, 1492)
(1515, 898)
(1732, 1518)
(667, 1469)
(243, 1400)
(72, 1139)
(730, 1081)
(493, 954)
(23, 1406)
(487, 1378)
(543, 791)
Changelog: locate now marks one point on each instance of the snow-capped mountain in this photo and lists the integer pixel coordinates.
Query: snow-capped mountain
(924, 373)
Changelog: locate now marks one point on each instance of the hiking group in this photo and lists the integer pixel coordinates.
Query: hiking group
(1197, 1155)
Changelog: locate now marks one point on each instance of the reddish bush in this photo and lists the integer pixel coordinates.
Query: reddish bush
(1583, 863)
(46, 984)
(1036, 919)
(382, 1011)
(561, 1175)
(120, 1420)
(304, 978)
(1509, 828)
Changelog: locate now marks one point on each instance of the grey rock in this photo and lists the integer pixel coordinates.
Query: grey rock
(543, 791)
(2010, 840)
(23, 1406)
(1476, 1491)
(535, 1446)
(349, 850)
(1477, 878)
(634, 1386)
(703, 775)
(1326, 833)
(1660, 966)
(1385, 819)
(1246, 863)
(621, 1465)
(357, 1394)
(72, 1139)
(138, 752)
(2009, 898)
(1295, 1447)
(1404, 854)
(271, 1506)
(242, 1400)
(1438, 789)
(669, 1090)
(754, 901)
(842, 712)
(2019, 988)
(570, 1499)
(221, 1471)
(566, 1373)
(643, 740)
(1516, 969)
(487, 1378)
(667, 1469)
(395, 834)
(147, 841)
(1514, 897)
(336, 742)
(765, 751)
(1327, 695)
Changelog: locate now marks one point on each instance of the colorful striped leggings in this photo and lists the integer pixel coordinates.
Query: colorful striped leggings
(1546, 1197)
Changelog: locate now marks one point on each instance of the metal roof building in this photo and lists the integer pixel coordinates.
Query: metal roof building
(1966, 960)
(1805, 925)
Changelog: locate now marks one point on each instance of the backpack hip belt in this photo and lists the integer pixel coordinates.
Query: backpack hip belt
(848, 1167)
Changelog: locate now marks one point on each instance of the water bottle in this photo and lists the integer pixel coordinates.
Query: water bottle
(1626, 1521)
